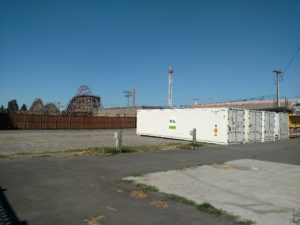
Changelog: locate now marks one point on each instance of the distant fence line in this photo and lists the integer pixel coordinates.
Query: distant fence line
(25, 121)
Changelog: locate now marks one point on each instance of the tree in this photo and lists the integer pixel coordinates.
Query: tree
(13, 105)
(2, 109)
(24, 107)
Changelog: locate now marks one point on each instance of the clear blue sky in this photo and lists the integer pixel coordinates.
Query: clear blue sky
(220, 50)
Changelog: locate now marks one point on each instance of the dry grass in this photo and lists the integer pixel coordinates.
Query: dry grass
(160, 204)
(138, 194)
(95, 220)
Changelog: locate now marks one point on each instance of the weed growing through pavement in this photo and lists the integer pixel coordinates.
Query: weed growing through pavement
(147, 188)
(208, 208)
(136, 175)
(123, 181)
(181, 200)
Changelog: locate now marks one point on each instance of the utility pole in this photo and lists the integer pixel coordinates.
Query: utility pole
(170, 94)
(277, 77)
(133, 96)
(130, 94)
(127, 94)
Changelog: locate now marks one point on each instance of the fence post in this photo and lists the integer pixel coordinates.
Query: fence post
(194, 135)
(118, 137)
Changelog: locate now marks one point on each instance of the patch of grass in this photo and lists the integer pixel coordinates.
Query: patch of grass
(197, 144)
(128, 150)
(136, 175)
(44, 155)
(74, 152)
(246, 222)
(24, 154)
(181, 200)
(143, 187)
(208, 208)
(123, 181)
(147, 188)
(99, 151)
(166, 146)
(104, 150)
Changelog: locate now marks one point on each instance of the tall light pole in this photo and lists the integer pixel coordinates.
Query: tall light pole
(170, 94)
(277, 77)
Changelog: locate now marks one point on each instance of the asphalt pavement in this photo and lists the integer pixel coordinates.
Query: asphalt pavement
(86, 190)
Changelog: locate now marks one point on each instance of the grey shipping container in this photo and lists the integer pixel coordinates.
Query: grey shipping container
(268, 124)
(283, 126)
(236, 126)
(254, 123)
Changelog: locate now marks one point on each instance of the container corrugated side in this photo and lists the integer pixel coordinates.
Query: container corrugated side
(268, 124)
(253, 126)
(283, 126)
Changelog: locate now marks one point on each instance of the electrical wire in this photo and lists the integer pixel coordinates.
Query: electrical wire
(291, 60)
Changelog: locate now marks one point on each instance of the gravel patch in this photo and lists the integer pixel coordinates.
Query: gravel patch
(58, 140)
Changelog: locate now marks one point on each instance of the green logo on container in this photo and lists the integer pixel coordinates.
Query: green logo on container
(172, 124)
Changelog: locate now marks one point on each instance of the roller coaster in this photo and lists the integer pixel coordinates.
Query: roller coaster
(84, 103)
(38, 107)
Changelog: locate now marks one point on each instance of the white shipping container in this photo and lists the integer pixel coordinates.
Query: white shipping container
(253, 126)
(276, 132)
(283, 126)
(268, 126)
(213, 125)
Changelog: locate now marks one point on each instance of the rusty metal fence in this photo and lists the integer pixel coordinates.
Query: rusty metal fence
(25, 121)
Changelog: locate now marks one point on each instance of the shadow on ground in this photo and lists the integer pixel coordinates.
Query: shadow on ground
(7, 214)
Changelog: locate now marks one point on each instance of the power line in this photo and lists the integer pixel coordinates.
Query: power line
(291, 60)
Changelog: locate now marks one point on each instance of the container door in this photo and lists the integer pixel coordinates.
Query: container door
(258, 126)
(269, 123)
(235, 126)
(255, 126)
(283, 126)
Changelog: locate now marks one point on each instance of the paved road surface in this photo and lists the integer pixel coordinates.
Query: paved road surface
(70, 190)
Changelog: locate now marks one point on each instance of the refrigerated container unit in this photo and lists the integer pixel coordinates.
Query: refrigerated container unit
(253, 126)
(213, 125)
(268, 126)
